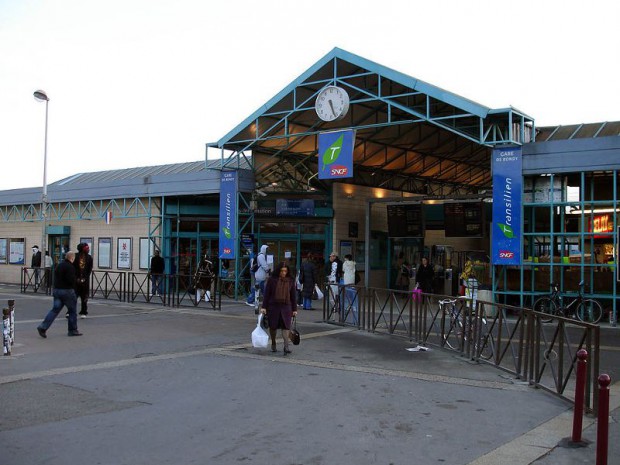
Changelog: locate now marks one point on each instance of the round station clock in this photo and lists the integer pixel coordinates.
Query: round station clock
(332, 103)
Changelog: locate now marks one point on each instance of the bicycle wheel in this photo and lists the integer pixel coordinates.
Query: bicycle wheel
(228, 289)
(453, 335)
(589, 311)
(486, 341)
(548, 307)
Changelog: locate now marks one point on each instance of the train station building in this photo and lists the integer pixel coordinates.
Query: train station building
(357, 158)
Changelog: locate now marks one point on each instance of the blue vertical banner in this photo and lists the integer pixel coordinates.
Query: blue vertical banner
(228, 214)
(507, 228)
(336, 154)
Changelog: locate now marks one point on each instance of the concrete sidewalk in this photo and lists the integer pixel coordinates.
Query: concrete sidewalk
(151, 384)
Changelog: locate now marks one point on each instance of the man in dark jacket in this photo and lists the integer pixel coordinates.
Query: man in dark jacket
(83, 267)
(308, 279)
(64, 295)
(157, 273)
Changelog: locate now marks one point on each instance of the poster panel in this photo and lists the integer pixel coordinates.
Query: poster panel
(123, 253)
(16, 251)
(3, 257)
(104, 252)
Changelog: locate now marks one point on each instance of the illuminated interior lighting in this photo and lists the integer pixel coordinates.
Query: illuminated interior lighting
(595, 211)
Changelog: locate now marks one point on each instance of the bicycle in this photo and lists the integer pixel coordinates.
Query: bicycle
(228, 288)
(462, 326)
(584, 309)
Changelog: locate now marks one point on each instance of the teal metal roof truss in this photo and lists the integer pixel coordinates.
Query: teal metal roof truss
(418, 135)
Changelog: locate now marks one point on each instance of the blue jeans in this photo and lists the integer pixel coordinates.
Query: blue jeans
(252, 296)
(307, 303)
(62, 297)
(156, 283)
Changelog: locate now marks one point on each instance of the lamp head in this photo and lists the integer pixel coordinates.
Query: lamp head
(40, 95)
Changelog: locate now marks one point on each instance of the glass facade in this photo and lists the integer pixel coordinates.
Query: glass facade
(570, 235)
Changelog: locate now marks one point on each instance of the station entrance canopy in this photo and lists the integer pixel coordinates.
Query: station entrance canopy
(410, 136)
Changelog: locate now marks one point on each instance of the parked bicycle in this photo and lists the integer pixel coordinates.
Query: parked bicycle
(462, 326)
(584, 309)
(228, 288)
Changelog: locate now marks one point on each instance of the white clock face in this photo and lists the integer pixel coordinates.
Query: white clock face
(332, 103)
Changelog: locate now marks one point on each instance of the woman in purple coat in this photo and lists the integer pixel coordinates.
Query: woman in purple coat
(280, 304)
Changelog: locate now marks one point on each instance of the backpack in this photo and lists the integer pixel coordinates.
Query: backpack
(255, 266)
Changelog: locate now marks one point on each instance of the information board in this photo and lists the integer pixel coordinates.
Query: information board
(405, 220)
(463, 219)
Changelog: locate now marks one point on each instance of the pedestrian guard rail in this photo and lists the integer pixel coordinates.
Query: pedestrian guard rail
(176, 290)
(513, 339)
(36, 279)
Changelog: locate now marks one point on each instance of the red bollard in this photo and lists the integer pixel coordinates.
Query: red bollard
(580, 389)
(602, 430)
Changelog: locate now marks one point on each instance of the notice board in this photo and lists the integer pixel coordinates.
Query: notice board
(405, 220)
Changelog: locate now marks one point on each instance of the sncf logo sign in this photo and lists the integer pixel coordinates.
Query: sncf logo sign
(506, 254)
(339, 170)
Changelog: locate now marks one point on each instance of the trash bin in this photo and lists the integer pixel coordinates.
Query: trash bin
(486, 295)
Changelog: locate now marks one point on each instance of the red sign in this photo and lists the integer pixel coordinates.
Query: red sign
(601, 224)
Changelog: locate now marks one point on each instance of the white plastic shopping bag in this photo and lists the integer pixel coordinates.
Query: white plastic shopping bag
(260, 338)
(319, 293)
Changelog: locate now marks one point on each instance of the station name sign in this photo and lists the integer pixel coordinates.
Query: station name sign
(506, 231)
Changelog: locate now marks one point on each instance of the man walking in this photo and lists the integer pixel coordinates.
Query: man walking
(64, 295)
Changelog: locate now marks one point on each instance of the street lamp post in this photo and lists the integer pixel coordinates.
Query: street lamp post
(41, 96)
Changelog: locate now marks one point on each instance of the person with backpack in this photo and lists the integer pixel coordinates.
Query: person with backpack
(261, 270)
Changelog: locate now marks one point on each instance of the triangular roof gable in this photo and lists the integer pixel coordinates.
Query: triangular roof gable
(398, 77)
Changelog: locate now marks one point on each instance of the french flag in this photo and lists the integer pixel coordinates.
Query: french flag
(108, 217)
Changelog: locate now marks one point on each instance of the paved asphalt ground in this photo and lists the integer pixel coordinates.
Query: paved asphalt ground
(155, 385)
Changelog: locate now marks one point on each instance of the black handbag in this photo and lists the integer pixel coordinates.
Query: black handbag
(293, 334)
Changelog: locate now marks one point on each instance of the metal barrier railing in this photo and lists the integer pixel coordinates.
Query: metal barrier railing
(36, 280)
(140, 287)
(510, 338)
(184, 291)
(109, 283)
(176, 290)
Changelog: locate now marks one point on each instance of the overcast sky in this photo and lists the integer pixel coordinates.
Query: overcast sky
(147, 82)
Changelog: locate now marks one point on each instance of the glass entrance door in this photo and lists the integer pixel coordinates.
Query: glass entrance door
(58, 245)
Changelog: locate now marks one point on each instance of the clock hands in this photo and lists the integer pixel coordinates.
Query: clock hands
(331, 105)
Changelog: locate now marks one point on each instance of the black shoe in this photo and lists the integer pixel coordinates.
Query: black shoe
(67, 315)
(74, 333)
(41, 332)
(83, 313)
(287, 351)
(273, 349)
